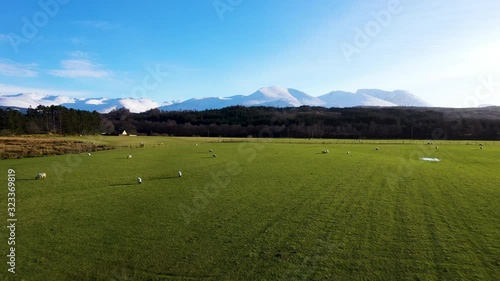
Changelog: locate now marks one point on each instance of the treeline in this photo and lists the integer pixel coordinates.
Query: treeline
(239, 121)
(313, 122)
(49, 119)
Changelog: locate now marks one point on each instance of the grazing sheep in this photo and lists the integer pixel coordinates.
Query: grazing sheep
(347, 152)
(41, 176)
(210, 150)
(325, 151)
(89, 154)
(214, 155)
(437, 147)
(376, 148)
(139, 180)
(130, 156)
(480, 147)
(180, 174)
(480, 144)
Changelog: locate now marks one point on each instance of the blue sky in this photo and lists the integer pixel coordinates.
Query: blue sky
(447, 52)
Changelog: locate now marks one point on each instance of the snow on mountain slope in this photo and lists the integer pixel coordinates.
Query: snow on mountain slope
(32, 99)
(102, 105)
(347, 99)
(271, 94)
(268, 96)
(202, 103)
(399, 97)
(105, 105)
(306, 99)
(281, 95)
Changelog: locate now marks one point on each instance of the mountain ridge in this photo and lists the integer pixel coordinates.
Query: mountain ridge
(276, 96)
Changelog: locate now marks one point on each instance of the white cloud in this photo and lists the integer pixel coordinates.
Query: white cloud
(78, 40)
(80, 68)
(79, 54)
(9, 68)
(104, 25)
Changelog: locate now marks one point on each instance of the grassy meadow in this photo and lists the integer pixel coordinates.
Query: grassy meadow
(263, 209)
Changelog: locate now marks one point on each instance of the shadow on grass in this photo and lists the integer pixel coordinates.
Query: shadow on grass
(163, 178)
(122, 184)
(144, 179)
(26, 179)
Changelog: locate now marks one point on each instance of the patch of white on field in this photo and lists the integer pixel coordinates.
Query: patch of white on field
(430, 159)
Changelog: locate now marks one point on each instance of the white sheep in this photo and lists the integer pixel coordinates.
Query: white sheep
(89, 154)
(480, 147)
(210, 150)
(41, 176)
(325, 151)
(180, 174)
(376, 148)
(347, 152)
(437, 147)
(214, 155)
(139, 180)
(130, 156)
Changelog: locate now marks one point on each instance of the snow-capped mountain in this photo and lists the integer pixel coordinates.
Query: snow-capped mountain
(268, 96)
(347, 99)
(399, 97)
(101, 105)
(202, 103)
(105, 105)
(33, 100)
(285, 97)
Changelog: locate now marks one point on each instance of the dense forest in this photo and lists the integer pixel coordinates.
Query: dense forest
(239, 121)
(314, 122)
(49, 119)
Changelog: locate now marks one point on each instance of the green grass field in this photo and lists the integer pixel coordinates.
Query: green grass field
(260, 210)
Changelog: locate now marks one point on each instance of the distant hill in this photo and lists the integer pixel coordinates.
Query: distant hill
(273, 96)
(285, 97)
